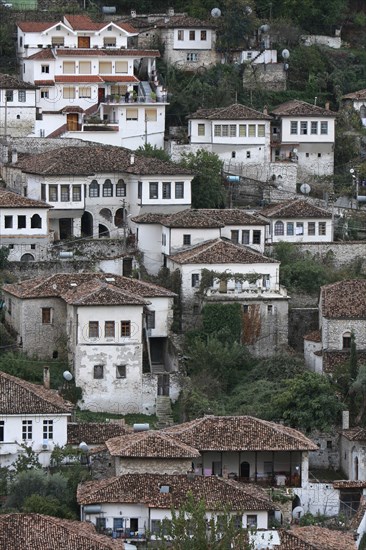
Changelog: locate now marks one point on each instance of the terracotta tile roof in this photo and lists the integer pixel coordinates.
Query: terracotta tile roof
(35, 26)
(332, 359)
(234, 216)
(296, 107)
(9, 199)
(10, 82)
(96, 159)
(62, 285)
(349, 484)
(344, 300)
(112, 78)
(239, 433)
(320, 538)
(105, 52)
(233, 112)
(220, 251)
(357, 433)
(72, 109)
(150, 445)
(78, 78)
(45, 53)
(149, 217)
(357, 518)
(295, 208)
(82, 23)
(145, 488)
(36, 531)
(190, 218)
(314, 336)
(360, 94)
(94, 433)
(183, 22)
(204, 217)
(18, 396)
(126, 26)
(44, 82)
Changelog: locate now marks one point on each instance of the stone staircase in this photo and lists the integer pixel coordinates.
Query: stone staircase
(164, 411)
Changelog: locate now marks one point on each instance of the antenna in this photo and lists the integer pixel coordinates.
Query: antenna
(216, 12)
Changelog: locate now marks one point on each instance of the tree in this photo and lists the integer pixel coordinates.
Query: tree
(235, 26)
(153, 152)
(4, 254)
(27, 459)
(358, 389)
(207, 186)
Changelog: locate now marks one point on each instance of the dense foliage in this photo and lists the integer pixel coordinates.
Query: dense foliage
(208, 190)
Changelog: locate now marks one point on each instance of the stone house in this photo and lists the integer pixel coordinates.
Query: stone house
(95, 189)
(342, 309)
(17, 106)
(298, 221)
(357, 100)
(132, 504)
(24, 226)
(114, 331)
(159, 235)
(304, 134)
(33, 415)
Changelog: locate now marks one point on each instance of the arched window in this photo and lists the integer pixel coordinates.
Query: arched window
(107, 189)
(355, 467)
(27, 258)
(363, 111)
(346, 340)
(279, 228)
(94, 189)
(106, 214)
(120, 188)
(36, 222)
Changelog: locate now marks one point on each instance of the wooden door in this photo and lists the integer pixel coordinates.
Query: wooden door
(83, 41)
(101, 95)
(72, 122)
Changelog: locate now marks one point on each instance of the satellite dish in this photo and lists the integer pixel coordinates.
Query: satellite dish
(216, 12)
(294, 151)
(83, 447)
(67, 375)
(285, 54)
(297, 512)
(305, 188)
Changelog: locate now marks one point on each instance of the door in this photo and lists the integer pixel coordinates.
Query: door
(245, 470)
(163, 384)
(101, 95)
(83, 41)
(72, 122)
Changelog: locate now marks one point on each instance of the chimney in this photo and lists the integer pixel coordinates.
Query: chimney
(46, 377)
(14, 156)
(132, 160)
(327, 105)
(345, 420)
(265, 110)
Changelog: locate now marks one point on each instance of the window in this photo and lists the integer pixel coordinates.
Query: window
(233, 154)
(299, 228)
(107, 189)
(46, 316)
(53, 193)
(242, 130)
(69, 92)
(324, 128)
(261, 130)
(125, 329)
(314, 127)
(121, 371)
(100, 524)
(235, 236)
(36, 221)
(47, 429)
(150, 320)
(69, 67)
(319, 155)
(33, 246)
(57, 41)
(2, 429)
(93, 329)
(251, 130)
(84, 67)
(109, 41)
(279, 228)
(179, 190)
(109, 329)
(151, 115)
(290, 229)
(180, 35)
(270, 309)
(22, 222)
(27, 429)
(94, 189)
(163, 240)
(98, 372)
(105, 67)
(192, 35)
(195, 280)
(293, 127)
(187, 240)
(154, 190)
(22, 96)
(120, 188)
(156, 527)
(85, 92)
(217, 130)
(232, 130)
(346, 340)
(248, 155)
(45, 93)
(303, 128)
(204, 35)
(121, 67)
(245, 236)
(257, 236)
(76, 193)
(201, 129)
(311, 228)
(322, 228)
(192, 56)
(65, 193)
(225, 130)
(45, 69)
(139, 189)
(166, 189)
(132, 113)
(9, 95)
(8, 222)
(251, 521)
(329, 444)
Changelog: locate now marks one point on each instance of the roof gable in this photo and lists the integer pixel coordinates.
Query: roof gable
(295, 208)
(295, 107)
(344, 299)
(150, 445)
(9, 199)
(233, 112)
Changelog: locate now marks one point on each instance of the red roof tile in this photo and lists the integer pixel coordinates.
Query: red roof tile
(82, 23)
(8, 81)
(44, 82)
(9, 199)
(233, 112)
(359, 95)
(105, 52)
(320, 538)
(296, 107)
(295, 208)
(94, 433)
(344, 300)
(35, 26)
(152, 444)
(45, 53)
(113, 78)
(184, 22)
(314, 336)
(78, 78)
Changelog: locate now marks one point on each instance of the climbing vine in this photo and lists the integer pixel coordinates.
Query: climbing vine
(208, 277)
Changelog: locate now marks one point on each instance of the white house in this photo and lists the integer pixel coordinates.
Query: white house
(32, 415)
(17, 106)
(158, 235)
(103, 323)
(305, 134)
(298, 220)
(24, 227)
(358, 101)
(88, 75)
(133, 504)
(95, 189)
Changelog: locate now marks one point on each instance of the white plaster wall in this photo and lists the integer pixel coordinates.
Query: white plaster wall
(286, 135)
(159, 202)
(255, 56)
(132, 313)
(322, 40)
(328, 237)
(163, 308)
(312, 361)
(149, 243)
(319, 498)
(226, 232)
(197, 236)
(175, 54)
(28, 231)
(197, 44)
(152, 465)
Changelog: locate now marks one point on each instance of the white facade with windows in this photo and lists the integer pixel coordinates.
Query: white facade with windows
(17, 106)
